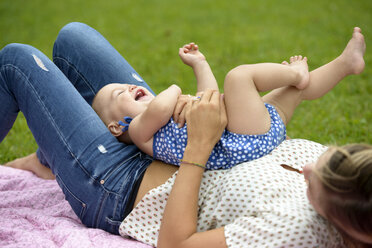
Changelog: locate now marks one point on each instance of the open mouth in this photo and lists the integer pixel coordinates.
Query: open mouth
(139, 94)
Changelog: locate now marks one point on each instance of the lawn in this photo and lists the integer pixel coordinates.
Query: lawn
(149, 33)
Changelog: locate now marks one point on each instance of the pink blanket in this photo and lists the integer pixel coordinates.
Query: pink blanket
(34, 213)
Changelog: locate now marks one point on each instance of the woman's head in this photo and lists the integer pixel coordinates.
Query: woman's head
(340, 189)
(114, 101)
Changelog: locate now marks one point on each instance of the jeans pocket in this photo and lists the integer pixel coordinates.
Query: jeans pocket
(114, 178)
(76, 204)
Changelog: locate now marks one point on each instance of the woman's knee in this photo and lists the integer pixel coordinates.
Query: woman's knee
(72, 29)
(70, 34)
(13, 48)
(12, 51)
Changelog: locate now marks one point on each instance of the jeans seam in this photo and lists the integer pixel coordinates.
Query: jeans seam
(7, 86)
(117, 199)
(49, 116)
(100, 210)
(76, 70)
(83, 204)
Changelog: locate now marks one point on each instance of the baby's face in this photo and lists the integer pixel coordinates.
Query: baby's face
(114, 101)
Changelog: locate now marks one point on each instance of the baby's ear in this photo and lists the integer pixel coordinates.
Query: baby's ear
(115, 129)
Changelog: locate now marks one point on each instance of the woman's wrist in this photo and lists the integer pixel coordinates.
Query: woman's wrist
(196, 153)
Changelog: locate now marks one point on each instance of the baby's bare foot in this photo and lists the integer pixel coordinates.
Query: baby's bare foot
(31, 163)
(299, 64)
(354, 51)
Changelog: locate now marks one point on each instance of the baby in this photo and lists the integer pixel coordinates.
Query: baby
(256, 125)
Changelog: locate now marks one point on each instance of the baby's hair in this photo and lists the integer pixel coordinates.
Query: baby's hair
(96, 110)
(347, 178)
(93, 102)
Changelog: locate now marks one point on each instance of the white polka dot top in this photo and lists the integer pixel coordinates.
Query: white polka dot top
(170, 143)
(260, 203)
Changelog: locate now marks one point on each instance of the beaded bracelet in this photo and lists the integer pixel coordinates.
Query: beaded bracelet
(191, 163)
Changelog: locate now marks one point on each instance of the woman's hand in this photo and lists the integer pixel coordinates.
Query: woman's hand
(179, 113)
(206, 119)
(190, 54)
(179, 110)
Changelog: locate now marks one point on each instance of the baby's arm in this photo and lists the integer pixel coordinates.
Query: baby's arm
(191, 56)
(145, 125)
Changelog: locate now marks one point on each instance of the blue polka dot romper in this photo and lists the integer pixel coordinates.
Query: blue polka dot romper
(232, 149)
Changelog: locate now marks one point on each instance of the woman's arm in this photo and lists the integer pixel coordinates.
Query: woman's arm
(206, 121)
(144, 126)
(191, 56)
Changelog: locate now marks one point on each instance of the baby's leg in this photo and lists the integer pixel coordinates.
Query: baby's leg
(351, 61)
(246, 111)
(322, 79)
(285, 100)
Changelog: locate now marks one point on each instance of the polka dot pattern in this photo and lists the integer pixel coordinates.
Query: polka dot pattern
(232, 149)
(259, 203)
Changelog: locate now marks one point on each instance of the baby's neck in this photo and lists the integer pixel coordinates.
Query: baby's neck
(125, 138)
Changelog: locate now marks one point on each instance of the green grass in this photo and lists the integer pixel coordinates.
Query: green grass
(148, 33)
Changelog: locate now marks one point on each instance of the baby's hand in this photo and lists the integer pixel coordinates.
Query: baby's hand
(190, 54)
(179, 110)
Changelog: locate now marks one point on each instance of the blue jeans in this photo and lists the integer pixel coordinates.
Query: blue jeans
(98, 175)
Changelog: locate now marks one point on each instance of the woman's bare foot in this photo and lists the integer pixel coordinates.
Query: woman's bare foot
(32, 163)
(354, 52)
(299, 64)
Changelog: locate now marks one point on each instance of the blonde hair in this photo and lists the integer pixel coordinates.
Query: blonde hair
(347, 179)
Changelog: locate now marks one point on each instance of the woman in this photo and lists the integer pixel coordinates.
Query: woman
(101, 178)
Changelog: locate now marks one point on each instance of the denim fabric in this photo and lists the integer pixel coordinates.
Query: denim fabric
(94, 170)
(89, 61)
